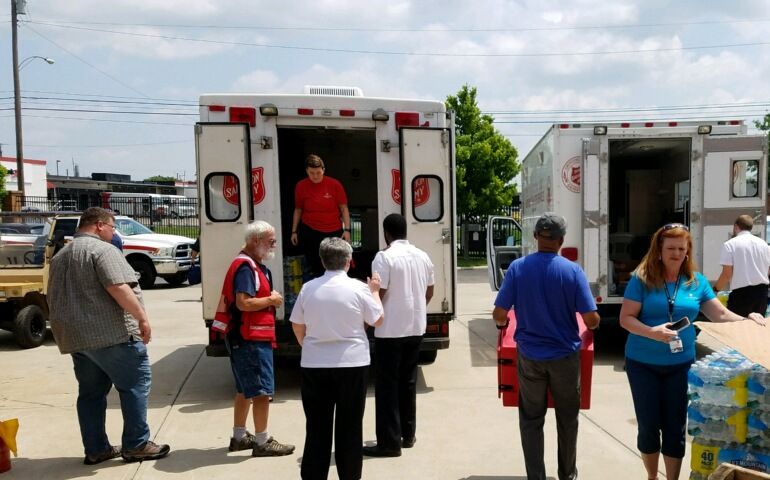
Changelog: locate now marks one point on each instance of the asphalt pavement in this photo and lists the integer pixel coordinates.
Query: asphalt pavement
(463, 431)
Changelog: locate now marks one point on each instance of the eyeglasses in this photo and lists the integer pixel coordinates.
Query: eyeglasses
(111, 225)
(669, 226)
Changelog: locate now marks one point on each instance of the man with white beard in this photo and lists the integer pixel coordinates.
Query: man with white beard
(246, 314)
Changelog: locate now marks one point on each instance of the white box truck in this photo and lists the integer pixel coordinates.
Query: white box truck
(618, 183)
(251, 151)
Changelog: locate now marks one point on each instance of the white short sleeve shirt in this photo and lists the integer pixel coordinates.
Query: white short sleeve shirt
(334, 309)
(749, 256)
(406, 272)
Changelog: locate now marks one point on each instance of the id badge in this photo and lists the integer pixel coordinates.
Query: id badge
(676, 345)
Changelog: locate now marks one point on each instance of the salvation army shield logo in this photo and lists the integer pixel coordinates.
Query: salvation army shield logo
(571, 174)
(230, 189)
(420, 192)
(257, 185)
(395, 188)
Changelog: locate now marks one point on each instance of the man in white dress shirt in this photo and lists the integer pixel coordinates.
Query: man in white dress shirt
(745, 261)
(406, 287)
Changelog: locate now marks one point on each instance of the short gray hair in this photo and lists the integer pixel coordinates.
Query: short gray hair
(334, 253)
(257, 229)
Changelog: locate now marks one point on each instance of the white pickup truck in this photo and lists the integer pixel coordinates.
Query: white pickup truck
(151, 254)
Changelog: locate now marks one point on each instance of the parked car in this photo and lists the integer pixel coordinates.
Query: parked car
(22, 228)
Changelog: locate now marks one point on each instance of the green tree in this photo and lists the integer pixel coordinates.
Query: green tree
(3, 174)
(160, 178)
(486, 160)
(764, 125)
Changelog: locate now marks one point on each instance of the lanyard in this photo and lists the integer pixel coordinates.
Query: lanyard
(671, 299)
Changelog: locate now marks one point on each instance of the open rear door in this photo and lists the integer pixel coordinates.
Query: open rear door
(593, 184)
(224, 192)
(426, 159)
(734, 183)
(503, 247)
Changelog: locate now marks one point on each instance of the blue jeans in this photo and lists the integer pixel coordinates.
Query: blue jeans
(127, 366)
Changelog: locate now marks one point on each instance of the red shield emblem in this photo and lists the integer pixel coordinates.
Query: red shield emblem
(575, 174)
(395, 188)
(230, 189)
(257, 185)
(421, 191)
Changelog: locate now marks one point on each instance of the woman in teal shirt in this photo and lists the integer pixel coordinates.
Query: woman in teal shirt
(664, 288)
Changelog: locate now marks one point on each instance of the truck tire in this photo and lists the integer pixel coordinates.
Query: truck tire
(29, 327)
(177, 279)
(146, 272)
(426, 357)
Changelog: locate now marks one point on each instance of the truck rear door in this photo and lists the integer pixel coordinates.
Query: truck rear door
(734, 183)
(224, 188)
(503, 247)
(426, 160)
(593, 254)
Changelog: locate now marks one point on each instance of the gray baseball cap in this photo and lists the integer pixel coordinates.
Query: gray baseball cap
(551, 225)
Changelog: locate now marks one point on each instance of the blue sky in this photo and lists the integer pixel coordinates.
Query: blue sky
(536, 61)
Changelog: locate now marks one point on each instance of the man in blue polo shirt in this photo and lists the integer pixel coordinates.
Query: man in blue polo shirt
(546, 290)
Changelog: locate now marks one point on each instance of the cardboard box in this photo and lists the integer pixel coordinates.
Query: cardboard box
(727, 471)
(507, 356)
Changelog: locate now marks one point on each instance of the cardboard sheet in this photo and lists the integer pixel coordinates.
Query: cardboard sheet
(752, 340)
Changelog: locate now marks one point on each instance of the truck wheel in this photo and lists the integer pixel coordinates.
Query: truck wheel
(177, 279)
(146, 272)
(427, 357)
(29, 326)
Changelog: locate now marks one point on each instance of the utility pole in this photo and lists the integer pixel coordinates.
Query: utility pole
(17, 99)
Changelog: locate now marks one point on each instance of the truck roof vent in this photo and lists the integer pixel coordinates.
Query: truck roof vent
(333, 90)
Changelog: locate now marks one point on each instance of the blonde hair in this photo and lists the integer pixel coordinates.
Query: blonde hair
(651, 270)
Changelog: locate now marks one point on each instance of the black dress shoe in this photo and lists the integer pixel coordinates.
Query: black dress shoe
(380, 452)
(408, 442)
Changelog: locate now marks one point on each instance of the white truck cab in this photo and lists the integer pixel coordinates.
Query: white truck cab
(151, 254)
(391, 156)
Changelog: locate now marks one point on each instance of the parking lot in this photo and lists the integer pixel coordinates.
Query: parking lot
(463, 431)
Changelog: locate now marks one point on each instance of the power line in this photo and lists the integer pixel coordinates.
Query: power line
(414, 54)
(407, 30)
(105, 146)
(111, 77)
(47, 92)
(630, 109)
(127, 112)
(106, 120)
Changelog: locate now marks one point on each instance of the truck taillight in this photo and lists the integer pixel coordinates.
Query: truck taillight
(445, 329)
(244, 115)
(625, 125)
(347, 113)
(649, 124)
(217, 108)
(564, 126)
(673, 124)
(407, 119)
(304, 111)
(570, 253)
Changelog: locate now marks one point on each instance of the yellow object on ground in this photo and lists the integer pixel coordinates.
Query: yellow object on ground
(8, 431)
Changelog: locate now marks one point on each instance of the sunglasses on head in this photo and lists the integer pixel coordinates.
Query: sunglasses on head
(669, 226)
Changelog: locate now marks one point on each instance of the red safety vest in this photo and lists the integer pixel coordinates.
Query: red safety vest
(256, 326)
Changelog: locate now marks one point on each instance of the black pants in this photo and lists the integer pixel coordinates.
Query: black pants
(333, 400)
(562, 378)
(660, 402)
(396, 389)
(745, 300)
(309, 241)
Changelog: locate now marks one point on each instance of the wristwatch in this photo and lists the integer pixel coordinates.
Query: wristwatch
(345, 229)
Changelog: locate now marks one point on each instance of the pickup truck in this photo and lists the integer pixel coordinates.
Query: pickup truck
(151, 254)
(24, 259)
